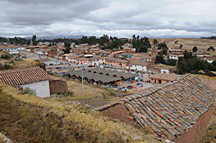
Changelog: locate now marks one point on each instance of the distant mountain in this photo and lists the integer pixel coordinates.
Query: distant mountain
(52, 37)
(212, 37)
(60, 36)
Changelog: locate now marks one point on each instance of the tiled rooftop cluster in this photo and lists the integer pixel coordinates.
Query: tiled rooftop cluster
(101, 75)
(22, 76)
(172, 109)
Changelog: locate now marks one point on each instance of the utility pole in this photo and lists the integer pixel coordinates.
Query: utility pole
(82, 78)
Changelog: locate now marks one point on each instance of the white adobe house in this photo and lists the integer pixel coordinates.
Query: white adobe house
(175, 57)
(35, 79)
(12, 51)
(138, 68)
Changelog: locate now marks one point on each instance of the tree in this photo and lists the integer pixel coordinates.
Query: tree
(67, 47)
(163, 47)
(192, 64)
(103, 40)
(180, 46)
(155, 42)
(92, 40)
(141, 45)
(159, 59)
(187, 55)
(195, 49)
(34, 40)
(211, 49)
(6, 56)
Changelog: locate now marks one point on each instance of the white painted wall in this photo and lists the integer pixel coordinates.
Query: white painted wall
(164, 71)
(41, 88)
(138, 68)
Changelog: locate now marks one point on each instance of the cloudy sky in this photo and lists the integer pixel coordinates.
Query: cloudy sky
(122, 18)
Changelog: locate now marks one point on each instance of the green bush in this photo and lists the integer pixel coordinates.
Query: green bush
(6, 56)
(28, 91)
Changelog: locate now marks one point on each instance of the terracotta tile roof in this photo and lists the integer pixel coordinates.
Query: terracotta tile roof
(171, 109)
(23, 76)
(164, 76)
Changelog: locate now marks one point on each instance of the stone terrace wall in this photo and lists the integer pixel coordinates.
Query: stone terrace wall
(118, 111)
(195, 134)
(58, 86)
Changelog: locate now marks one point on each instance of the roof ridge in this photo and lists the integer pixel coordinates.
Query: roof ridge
(19, 70)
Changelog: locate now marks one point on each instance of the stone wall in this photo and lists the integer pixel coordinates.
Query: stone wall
(196, 133)
(58, 86)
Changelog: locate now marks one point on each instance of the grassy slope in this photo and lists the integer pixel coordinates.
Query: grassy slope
(88, 94)
(28, 119)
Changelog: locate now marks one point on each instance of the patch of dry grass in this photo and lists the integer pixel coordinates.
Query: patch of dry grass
(25, 63)
(20, 64)
(206, 77)
(85, 91)
(39, 120)
(87, 94)
(1, 139)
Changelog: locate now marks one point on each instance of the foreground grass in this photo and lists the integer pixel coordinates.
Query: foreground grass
(28, 119)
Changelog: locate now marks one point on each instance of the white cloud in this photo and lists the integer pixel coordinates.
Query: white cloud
(122, 18)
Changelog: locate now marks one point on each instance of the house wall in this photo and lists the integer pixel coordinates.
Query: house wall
(41, 88)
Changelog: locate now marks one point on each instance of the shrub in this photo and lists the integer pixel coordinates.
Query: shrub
(6, 56)
(7, 66)
(63, 94)
(28, 91)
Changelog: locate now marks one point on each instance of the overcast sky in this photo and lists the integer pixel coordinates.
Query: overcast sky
(122, 18)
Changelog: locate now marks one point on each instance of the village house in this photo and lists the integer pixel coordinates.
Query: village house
(135, 65)
(53, 52)
(127, 47)
(210, 59)
(175, 57)
(163, 78)
(13, 51)
(88, 60)
(35, 79)
(144, 57)
(86, 49)
(116, 62)
(175, 51)
(44, 43)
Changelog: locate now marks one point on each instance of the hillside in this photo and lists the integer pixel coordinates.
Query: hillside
(189, 43)
(29, 119)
